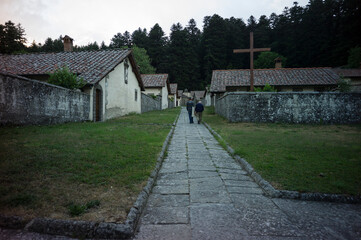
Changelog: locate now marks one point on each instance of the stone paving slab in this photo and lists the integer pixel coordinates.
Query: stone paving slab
(347, 221)
(212, 197)
(174, 189)
(244, 190)
(209, 196)
(239, 183)
(165, 232)
(232, 171)
(216, 221)
(172, 182)
(202, 174)
(159, 200)
(231, 176)
(166, 215)
(173, 176)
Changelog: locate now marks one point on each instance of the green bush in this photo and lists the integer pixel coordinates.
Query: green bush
(344, 85)
(77, 209)
(64, 78)
(266, 88)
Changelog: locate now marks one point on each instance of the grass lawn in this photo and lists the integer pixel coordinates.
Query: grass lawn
(83, 171)
(306, 158)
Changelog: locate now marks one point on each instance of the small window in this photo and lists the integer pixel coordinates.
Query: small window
(136, 95)
(126, 67)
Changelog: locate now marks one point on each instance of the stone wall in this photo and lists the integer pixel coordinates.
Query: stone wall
(291, 107)
(170, 103)
(25, 101)
(151, 104)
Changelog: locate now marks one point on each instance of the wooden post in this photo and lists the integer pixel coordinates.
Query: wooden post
(251, 50)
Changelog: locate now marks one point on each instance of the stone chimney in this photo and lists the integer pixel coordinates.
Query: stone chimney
(278, 62)
(68, 43)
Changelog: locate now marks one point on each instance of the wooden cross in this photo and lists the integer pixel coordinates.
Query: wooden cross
(251, 50)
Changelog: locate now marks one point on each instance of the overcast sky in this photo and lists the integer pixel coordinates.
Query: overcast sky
(97, 20)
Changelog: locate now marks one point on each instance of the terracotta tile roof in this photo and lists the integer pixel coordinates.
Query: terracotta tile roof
(154, 80)
(199, 94)
(173, 88)
(91, 65)
(180, 93)
(347, 72)
(274, 77)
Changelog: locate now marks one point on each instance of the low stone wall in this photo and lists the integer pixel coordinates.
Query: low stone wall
(25, 101)
(291, 107)
(151, 104)
(170, 103)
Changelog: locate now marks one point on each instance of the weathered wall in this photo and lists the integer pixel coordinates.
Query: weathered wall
(24, 101)
(119, 96)
(170, 103)
(164, 97)
(150, 104)
(302, 107)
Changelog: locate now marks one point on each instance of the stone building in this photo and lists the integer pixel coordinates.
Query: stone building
(352, 76)
(157, 85)
(173, 95)
(112, 77)
(282, 79)
(199, 96)
(179, 98)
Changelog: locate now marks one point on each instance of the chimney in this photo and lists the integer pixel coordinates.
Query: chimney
(278, 62)
(68, 44)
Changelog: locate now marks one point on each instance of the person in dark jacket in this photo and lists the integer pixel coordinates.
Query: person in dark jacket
(198, 111)
(190, 105)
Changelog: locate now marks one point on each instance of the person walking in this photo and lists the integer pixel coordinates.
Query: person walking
(198, 111)
(190, 106)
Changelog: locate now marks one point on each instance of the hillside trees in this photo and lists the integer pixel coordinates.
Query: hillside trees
(143, 60)
(12, 38)
(157, 48)
(267, 60)
(320, 34)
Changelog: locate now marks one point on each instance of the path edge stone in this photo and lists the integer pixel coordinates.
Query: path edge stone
(275, 193)
(98, 230)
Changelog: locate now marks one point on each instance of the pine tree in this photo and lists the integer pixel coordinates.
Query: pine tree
(140, 38)
(157, 48)
(12, 38)
(214, 45)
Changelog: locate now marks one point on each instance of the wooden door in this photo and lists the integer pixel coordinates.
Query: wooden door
(97, 105)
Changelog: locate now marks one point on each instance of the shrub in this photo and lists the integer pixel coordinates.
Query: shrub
(344, 85)
(77, 209)
(266, 88)
(64, 78)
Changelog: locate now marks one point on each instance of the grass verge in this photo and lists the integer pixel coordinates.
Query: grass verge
(305, 158)
(60, 171)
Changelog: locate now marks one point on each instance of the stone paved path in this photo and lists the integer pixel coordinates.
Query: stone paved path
(202, 193)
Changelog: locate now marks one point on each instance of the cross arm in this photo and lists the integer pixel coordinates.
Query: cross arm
(262, 49)
(251, 50)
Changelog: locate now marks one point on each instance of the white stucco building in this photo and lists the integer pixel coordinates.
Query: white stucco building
(173, 93)
(112, 77)
(157, 85)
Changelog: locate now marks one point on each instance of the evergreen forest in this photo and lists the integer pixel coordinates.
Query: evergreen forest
(324, 33)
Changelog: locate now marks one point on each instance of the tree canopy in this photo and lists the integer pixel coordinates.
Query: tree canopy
(267, 60)
(12, 38)
(324, 33)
